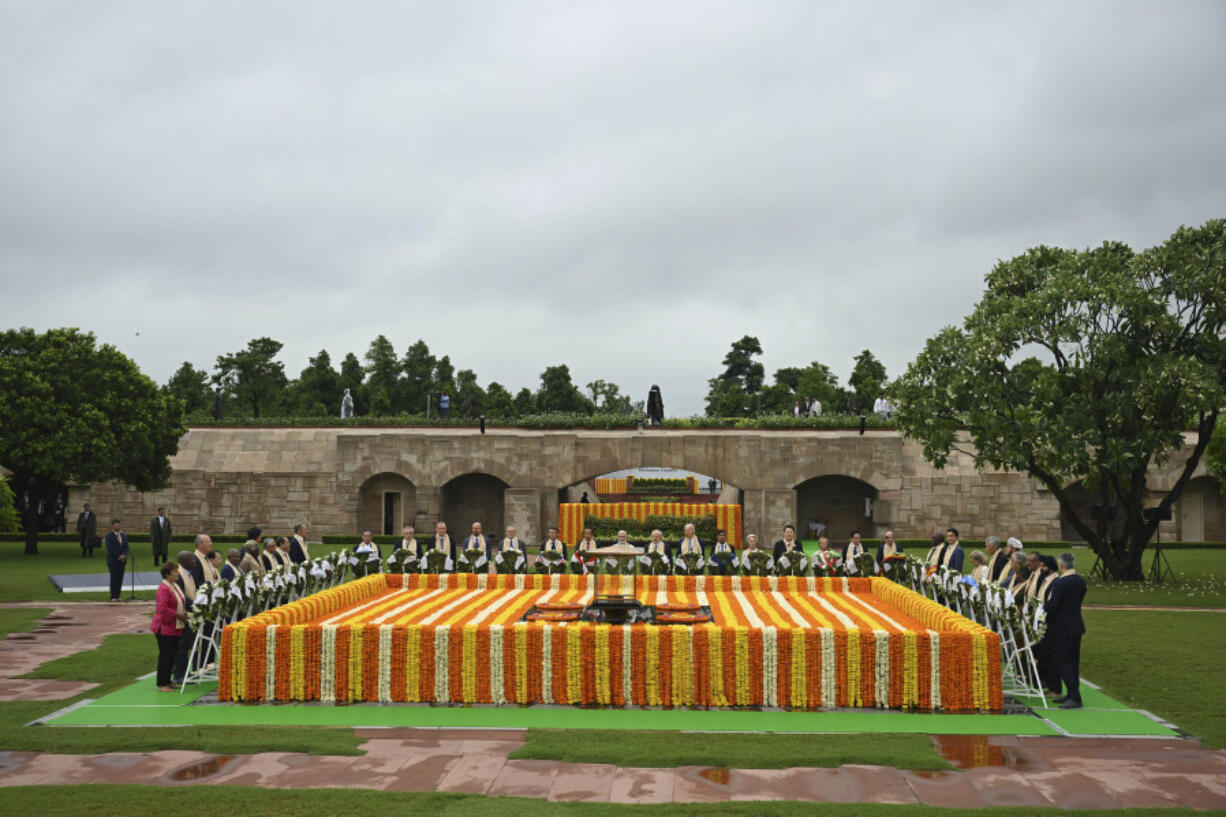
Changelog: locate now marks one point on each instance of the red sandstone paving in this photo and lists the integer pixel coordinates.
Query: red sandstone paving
(473, 774)
(875, 784)
(525, 778)
(588, 782)
(424, 774)
(631, 785)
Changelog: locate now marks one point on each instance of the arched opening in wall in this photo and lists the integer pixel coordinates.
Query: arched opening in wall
(386, 503)
(836, 505)
(1201, 511)
(474, 498)
(651, 484)
(643, 497)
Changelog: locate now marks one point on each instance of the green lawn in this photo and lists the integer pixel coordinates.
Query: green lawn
(118, 662)
(21, 619)
(741, 751)
(26, 577)
(1181, 658)
(135, 801)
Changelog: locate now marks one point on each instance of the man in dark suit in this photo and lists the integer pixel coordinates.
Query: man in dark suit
(789, 542)
(233, 568)
(116, 557)
(1065, 628)
(87, 529)
(476, 541)
(443, 541)
(159, 535)
(299, 551)
(953, 554)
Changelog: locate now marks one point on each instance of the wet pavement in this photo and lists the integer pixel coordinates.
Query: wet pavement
(990, 771)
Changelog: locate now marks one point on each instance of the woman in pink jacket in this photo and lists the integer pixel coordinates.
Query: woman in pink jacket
(169, 616)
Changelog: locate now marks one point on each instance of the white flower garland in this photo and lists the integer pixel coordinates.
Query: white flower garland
(881, 670)
(547, 663)
(442, 663)
(385, 663)
(828, 697)
(270, 663)
(327, 664)
(498, 692)
(811, 584)
(770, 669)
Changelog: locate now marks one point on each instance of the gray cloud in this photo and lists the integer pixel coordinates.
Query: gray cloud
(625, 188)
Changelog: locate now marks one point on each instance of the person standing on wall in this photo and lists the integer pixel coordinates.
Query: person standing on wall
(116, 557)
(655, 406)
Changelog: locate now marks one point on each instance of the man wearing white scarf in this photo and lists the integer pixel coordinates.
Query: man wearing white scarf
(205, 573)
(477, 541)
(408, 541)
(511, 542)
(554, 547)
(442, 541)
(690, 542)
(298, 550)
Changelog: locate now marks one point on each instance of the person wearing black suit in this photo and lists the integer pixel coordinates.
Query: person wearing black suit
(299, 551)
(888, 547)
(788, 542)
(1065, 628)
(443, 541)
(477, 541)
(854, 547)
(116, 557)
(87, 529)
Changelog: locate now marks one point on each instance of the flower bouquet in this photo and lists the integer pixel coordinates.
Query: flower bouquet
(722, 562)
(863, 565)
(654, 564)
(510, 561)
(403, 560)
(437, 561)
(757, 563)
(792, 563)
(689, 564)
(826, 563)
(472, 560)
(582, 564)
(891, 567)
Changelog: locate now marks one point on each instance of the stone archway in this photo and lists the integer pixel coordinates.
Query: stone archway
(474, 497)
(386, 502)
(840, 502)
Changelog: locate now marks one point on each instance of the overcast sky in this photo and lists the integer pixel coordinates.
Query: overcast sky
(622, 187)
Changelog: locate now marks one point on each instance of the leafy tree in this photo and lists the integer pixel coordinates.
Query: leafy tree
(352, 375)
(8, 508)
(252, 375)
(1084, 365)
(191, 386)
(444, 377)
(382, 377)
(525, 402)
(741, 374)
(79, 413)
(867, 380)
(317, 391)
(418, 380)
(608, 398)
(1215, 455)
(558, 394)
(498, 402)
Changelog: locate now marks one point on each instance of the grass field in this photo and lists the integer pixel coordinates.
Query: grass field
(118, 662)
(741, 751)
(20, 619)
(131, 801)
(1171, 663)
(26, 577)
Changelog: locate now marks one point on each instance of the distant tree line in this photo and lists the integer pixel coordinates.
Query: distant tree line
(251, 382)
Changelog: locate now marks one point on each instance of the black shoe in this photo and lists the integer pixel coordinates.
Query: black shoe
(1059, 700)
(1071, 704)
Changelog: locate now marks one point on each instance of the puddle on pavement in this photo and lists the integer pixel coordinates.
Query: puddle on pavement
(974, 751)
(716, 774)
(205, 768)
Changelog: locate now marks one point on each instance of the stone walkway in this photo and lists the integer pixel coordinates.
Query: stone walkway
(69, 629)
(1064, 772)
(1006, 771)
